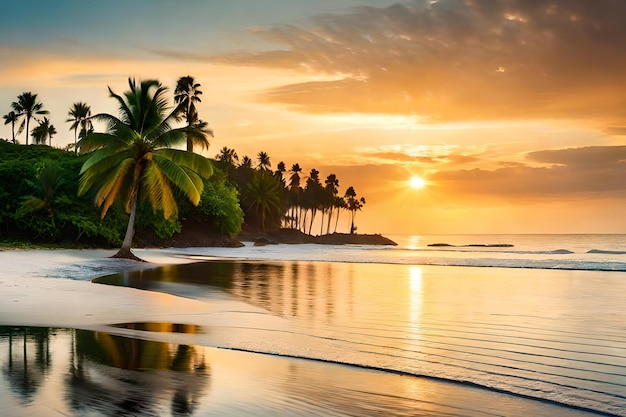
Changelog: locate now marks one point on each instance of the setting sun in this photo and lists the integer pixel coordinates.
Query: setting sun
(417, 182)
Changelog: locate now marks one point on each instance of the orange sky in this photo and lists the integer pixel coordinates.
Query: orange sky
(513, 111)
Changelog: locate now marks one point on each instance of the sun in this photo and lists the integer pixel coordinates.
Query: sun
(417, 182)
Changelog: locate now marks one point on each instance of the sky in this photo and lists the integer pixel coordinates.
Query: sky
(512, 111)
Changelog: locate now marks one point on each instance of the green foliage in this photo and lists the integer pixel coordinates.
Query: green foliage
(156, 221)
(38, 201)
(220, 204)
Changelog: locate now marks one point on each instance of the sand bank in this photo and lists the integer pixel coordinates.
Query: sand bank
(29, 297)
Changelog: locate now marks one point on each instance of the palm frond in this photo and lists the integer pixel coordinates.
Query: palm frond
(96, 141)
(188, 181)
(158, 191)
(193, 161)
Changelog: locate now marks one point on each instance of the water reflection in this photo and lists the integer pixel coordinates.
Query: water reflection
(314, 291)
(28, 364)
(110, 374)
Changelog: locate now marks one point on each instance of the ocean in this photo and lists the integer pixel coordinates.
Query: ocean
(539, 320)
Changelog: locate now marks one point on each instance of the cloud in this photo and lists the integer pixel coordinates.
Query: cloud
(590, 172)
(456, 60)
(580, 158)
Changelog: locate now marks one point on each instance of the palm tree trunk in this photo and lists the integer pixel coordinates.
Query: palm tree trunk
(125, 251)
(313, 213)
(337, 220)
(330, 218)
(27, 123)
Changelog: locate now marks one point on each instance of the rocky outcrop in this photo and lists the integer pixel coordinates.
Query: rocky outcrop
(292, 236)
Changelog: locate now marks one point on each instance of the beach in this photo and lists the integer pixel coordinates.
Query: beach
(296, 337)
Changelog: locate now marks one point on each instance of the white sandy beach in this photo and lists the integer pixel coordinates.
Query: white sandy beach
(29, 297)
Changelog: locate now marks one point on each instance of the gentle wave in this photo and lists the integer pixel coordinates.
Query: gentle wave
(465, 383)
(516, 263)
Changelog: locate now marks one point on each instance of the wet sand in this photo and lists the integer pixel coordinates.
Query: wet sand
(34, 291)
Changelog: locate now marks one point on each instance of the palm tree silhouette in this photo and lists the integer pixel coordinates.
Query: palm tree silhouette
(353, 204)
(134, 160)
(80, 113)
(27, 106)
(264, 197)
(43, 131)
(264, 161)
(186, 94)
(12, 117)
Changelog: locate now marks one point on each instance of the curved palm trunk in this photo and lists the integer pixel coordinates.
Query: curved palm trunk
(125, 251)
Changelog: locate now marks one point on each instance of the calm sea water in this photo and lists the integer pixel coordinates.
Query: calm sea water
(538, 319)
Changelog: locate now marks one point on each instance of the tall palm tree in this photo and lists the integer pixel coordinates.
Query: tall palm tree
(28, 107)
(294, 190)
(80, 113)
(186, 94)
(331, 189)
(312, 195)
(353, 204)
(12, 117)
(134, 160)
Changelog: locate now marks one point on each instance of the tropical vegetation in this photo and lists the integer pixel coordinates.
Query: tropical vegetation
(137, 171)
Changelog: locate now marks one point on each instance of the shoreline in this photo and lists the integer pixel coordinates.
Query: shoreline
(53, 288)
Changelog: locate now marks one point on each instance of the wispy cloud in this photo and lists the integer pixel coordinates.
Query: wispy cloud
(454, 60)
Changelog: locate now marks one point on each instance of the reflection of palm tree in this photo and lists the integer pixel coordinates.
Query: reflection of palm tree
(26, 379)
(104, 371)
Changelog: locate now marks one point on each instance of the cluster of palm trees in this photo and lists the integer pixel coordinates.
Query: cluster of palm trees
(135, 159)
(24, 109)
(282, 198)
(27, 107)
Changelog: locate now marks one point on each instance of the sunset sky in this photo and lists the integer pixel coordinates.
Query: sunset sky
(512, 111)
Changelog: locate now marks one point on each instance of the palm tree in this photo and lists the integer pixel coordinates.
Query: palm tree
(49, 180)
(294, 190)
(312, 195)
(353, 204)
(80, 113)
(331, 190)
(134, 160)
(186, 94)
(27, 106)
(227, 156)
(264, 161)
(264, 197)
(43, 131)
(12, 117)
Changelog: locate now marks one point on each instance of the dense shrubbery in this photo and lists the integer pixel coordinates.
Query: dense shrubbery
(39, 203)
